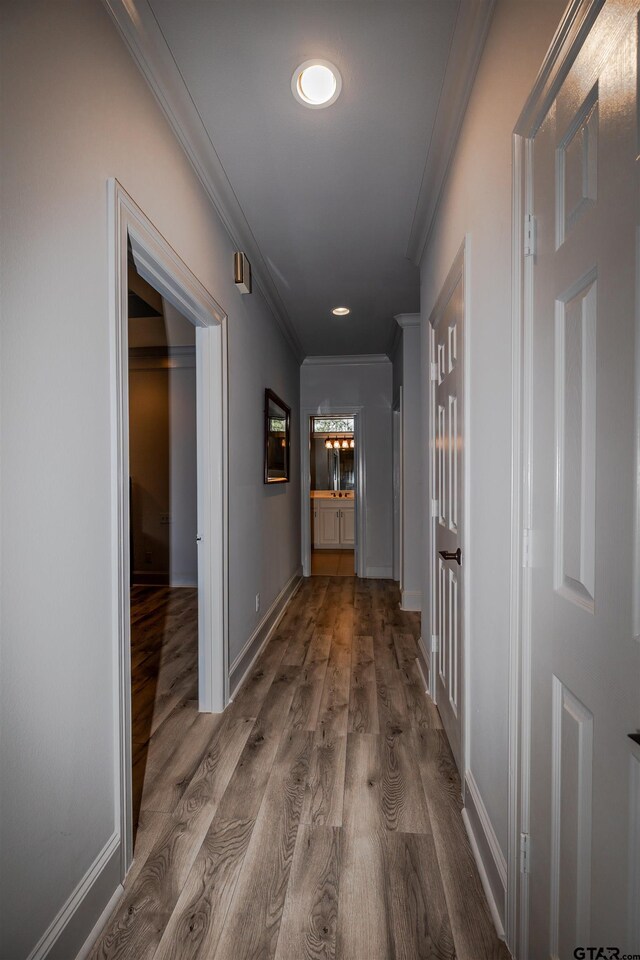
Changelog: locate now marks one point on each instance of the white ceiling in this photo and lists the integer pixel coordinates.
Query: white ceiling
(329, 195)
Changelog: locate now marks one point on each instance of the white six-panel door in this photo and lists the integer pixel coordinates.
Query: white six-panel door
(448, 494)
(585, 658)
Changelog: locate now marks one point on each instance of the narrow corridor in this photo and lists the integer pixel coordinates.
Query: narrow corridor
(318, 817)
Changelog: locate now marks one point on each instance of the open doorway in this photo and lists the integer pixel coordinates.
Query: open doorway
(165, 273)
(333, 466)
(163, 523)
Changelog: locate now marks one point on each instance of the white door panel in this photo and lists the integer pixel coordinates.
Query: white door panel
(585, 663)
(448, 339)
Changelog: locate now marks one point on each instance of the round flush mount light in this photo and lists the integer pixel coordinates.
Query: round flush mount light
(340, 311)
(316, 83)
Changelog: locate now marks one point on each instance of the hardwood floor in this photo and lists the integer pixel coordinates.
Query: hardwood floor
(332, 563)
(164, 661)
(318, 818)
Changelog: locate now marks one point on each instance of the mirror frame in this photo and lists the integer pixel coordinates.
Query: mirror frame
(269, 395)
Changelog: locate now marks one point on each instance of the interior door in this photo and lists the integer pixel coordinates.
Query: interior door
(585, 662)
(448, 412)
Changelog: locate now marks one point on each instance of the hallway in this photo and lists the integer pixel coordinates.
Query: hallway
(318, 817)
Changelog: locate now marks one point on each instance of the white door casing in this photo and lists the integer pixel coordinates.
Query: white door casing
(577, 491)
(447, 495)
(162, 268)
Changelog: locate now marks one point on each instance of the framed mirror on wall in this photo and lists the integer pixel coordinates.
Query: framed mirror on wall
(276, 439)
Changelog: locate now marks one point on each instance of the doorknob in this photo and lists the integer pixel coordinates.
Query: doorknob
(457, 556)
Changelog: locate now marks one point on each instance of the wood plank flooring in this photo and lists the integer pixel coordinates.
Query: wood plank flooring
(318, 818)
(332, 563)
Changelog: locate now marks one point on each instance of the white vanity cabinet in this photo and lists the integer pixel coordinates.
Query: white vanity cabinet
(333, 523)
(347, 525)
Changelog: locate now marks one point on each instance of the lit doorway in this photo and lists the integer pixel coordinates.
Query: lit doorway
(333, 469)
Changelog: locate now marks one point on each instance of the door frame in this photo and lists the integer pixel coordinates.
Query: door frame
(343, 410)
(576, 23)
(160, 265)
(460, 269)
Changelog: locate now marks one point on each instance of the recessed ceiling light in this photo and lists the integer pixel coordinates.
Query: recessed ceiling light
(340, 311)
(316, 83)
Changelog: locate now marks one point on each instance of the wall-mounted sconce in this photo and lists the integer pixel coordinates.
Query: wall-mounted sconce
(242, 272)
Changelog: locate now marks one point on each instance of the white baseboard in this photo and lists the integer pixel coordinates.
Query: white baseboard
(411, 600)
(254, 646)
(150, 578)
(78, 914)
(424, 660)
(183, 580)
(489, 857)
(379, 573)
(89, 943)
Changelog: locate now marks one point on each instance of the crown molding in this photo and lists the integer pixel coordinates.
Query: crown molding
(407, 320)
(142, 35)
(470, 33)
(355, 359)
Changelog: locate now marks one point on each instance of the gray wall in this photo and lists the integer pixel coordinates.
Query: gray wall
(323, 388)
(413, 493)
(75, 111)
(476, 203)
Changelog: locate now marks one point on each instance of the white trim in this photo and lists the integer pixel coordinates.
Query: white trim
(411, 600)
(98, 927)
(161, 266)
(141, 33)
(407, 320)
(353, 360)
(466, 529)
(421, 665)
(379, 573)
(430, 544)
(74, 901)
(471, 29)
(514, 813)
(262, 634)
(471, 813)
(494, 863)
(327, 410)
(401, 512)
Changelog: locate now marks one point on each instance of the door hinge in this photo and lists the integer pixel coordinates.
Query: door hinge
(529, 235)
(525, 852)
(526, 547)
(435, 507)
(433, 368)
(435, 643)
